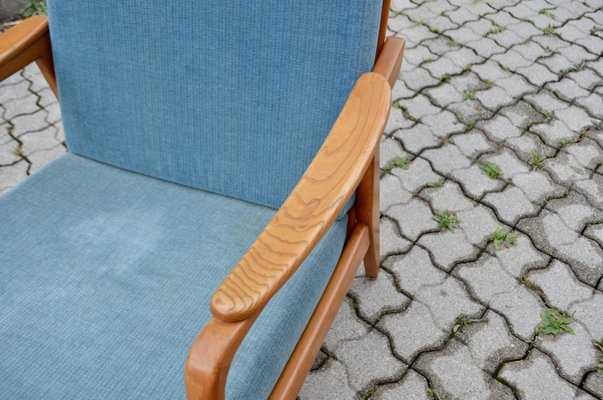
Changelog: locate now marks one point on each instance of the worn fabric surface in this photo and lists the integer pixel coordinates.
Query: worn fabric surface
(106, 277)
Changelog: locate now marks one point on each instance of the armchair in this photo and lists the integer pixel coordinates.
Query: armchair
(151, 218)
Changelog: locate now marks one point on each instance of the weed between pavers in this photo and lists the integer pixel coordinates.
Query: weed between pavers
(464, 321)
(469, 95)
(447, 219)
(492, 170)
(495, 29)
(537, 160)
(432, 394)
(400, 162)
(501, 238)
(554, 322)
(36, 7)
(549, 30)
(436, 184)
(548, 13)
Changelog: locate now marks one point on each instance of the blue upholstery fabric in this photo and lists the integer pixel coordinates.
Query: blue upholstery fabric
(106, 277)
(233, 97)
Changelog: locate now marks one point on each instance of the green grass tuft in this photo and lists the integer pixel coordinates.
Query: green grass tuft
(501, 238)
(554, 322)
(549, 30)
(447, 219)
(548, 13)
(402, 162)
(436, 184)
(495, 29)
(537, 160)
(492, 170)
(469, 95)
(445, 77)
(36, 7)
(432, 394)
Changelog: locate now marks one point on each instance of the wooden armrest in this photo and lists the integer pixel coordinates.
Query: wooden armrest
(313, 205)
(25, 43)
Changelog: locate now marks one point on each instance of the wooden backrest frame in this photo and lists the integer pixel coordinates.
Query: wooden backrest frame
(383, 25)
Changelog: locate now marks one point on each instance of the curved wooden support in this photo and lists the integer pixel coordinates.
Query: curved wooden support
(25, 43)
(313, 205)
(210, 357)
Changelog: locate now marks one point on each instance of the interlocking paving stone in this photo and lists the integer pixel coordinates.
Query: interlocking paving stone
(536, 378)
(452, 315)
(375, 296)
(332, 379)
(345, 327)
(510, 204)
(369, 360)
(455, 375)
(490, 342)
(413, 386)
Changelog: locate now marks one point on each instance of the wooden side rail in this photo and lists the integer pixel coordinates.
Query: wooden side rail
(25, 43)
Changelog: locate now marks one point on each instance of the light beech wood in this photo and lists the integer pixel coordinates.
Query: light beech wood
(25, 43)
(210, 357)
(383, 25)
(300, 362)
(313, 205)
(367, 212)
(389, 61)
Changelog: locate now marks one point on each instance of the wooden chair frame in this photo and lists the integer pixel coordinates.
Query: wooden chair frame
(347, 162)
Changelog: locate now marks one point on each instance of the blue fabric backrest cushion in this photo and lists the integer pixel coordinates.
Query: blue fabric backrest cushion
(233, 97)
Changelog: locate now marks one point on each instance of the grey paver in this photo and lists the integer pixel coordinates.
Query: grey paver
(413, 218)
(413, 386)
(331, 377)
(510, 204)
(455, 374)
(368, 360)
(536, 378)
(376, 296)
(345, 327)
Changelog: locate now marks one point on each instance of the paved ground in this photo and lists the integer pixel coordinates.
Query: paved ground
(497, 127)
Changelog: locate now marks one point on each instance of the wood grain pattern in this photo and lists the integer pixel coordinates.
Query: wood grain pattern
(313, 205)
(25, 43)
(293, 376)
(390, 59)
(210, 357)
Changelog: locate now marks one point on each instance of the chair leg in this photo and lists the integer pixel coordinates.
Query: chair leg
(367, 211)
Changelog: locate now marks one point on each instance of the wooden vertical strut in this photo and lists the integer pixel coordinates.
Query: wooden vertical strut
(388, 63)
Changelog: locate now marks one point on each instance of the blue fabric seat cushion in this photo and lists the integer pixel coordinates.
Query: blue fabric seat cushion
(106, 278)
